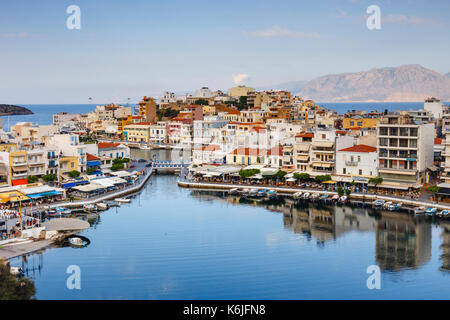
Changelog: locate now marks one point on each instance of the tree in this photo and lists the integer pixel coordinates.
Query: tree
(32, 179)
(49, 177)
(348, 192)
(12, 288)
(201, 102)
(434, 190)
(117, 166)
(280, 174)
(376, 181)
(340, 191)
(247, 173)
(74, 174)
(323, 178)
(301, 176)
(242, 104)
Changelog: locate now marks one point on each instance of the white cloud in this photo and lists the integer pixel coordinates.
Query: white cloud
(240, 78)
(277, 31)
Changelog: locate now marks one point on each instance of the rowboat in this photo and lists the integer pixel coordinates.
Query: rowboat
(122, 200)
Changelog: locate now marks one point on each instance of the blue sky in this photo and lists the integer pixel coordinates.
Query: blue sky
(135, 48)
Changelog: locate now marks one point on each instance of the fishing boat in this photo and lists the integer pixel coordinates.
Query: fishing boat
(122, 200)
(102, 206)
(443, 213)
(53, 213)
(419, 210)
(78, 241)
(378, 204)
(430, 211)
(306, 195)
(90, 207)
(253, 193)
(272, 194)
(393, 206)
(262, 193)
(343, 199)
(335, 197)
(15, 271)
(297, 195)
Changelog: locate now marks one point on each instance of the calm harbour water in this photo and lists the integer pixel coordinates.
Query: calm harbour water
(174, 243)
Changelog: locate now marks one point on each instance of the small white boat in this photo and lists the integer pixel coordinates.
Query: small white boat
(394, 206)
(122, 200)
(378, 203)
(15, 271)
(306, 195)
(343, 199)
(315, 196)
(102, 206)
(297, 195)
(272, 194)
(75, 241)
(419, 210)
(335, 197)
(443, 213)
(234, 191)
(145, 147)
(431, 211)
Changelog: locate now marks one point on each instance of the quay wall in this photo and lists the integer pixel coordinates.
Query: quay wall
(121, 193)
(290, 191)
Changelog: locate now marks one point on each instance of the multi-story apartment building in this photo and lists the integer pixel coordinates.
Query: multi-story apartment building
(360, 161)
(147, 109)
(405, 148)
(158, 133)
(137, 132)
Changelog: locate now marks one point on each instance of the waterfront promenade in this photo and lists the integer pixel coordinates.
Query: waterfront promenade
(292, 190)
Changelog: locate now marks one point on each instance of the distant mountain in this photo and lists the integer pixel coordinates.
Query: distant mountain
(447, 75)
(402, 84)
(10, 110)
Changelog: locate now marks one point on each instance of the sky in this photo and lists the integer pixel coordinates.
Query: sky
(128, 49)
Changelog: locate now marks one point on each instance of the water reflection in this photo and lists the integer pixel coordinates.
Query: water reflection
(402, 241)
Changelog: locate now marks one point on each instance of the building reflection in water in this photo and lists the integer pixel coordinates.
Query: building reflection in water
(401, 240)
(445, 246)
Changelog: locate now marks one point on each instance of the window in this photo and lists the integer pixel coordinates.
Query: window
(359, 158)
(344, 171)
(360, 172)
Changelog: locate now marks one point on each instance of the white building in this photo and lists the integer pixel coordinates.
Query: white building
(357, 161)
(434, 106)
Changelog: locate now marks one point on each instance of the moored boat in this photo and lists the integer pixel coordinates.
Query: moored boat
(419, 210)
(378, 204)
(297, 195)
(122, 200)
(430, 211)
(394, 206)
(272, 194)
(233, 191)
(443, 213)
(306, 195)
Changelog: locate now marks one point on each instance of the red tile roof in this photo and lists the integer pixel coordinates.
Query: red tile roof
(360, 148)
(105, 145)
(248, 151)
(91, 157)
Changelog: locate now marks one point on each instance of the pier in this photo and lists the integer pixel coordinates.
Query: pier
(357, 197)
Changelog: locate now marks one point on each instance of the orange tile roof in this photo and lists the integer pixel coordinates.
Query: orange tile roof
(360, 148)
(91, 157)
(104, 145)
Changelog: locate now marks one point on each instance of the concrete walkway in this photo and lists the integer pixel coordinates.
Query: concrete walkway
(287, 190)
(14, 250)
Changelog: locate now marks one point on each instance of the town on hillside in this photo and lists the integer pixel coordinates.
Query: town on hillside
(243, 136)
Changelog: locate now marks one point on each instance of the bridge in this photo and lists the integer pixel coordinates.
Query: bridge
(169, 166)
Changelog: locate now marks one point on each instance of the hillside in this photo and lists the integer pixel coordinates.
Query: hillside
(10, 110)
(404, 83)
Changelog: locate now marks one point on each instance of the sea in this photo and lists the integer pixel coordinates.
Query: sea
(43, 112)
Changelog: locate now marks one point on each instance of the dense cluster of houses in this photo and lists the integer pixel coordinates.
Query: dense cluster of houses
(241, 128)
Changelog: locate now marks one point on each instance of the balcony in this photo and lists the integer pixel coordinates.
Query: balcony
(351, 163)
